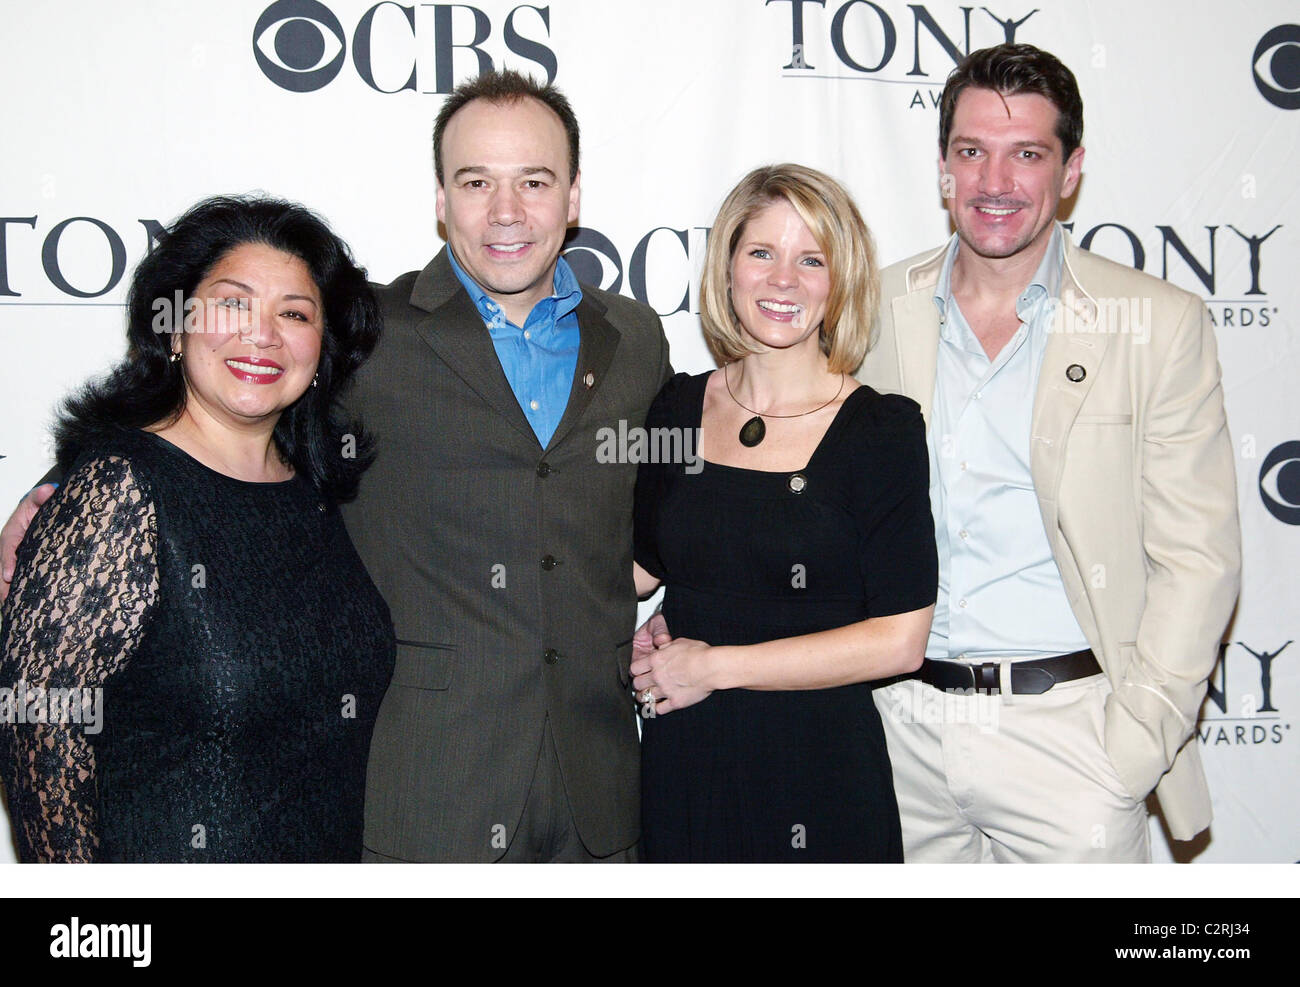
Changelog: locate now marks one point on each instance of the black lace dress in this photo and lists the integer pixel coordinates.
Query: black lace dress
(199, 661)
(749, 556)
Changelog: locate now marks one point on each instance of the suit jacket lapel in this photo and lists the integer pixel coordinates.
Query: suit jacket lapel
(1075, 339)
(918, 347)
(456, 333)
(596, 351)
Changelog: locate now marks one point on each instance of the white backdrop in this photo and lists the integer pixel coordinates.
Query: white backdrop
(116, 116)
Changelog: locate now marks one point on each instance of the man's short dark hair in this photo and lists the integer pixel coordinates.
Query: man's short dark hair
(1012, 70)
(506, 86)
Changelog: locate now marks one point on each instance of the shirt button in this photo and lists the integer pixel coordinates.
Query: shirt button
(964, 534)
(962, 604)
(550, 656)
(543, 469)
(528, 334)
(963, 467)
(534, 405)
(550, 562)
(978, 395)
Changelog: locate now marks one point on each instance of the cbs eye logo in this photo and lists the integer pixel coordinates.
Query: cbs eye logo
(1276, 65)
(593, 258)
(1279, 482)
(299, 45)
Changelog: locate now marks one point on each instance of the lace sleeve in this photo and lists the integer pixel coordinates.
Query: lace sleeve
(86, 580)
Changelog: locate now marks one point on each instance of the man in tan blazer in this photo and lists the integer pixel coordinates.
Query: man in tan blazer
(1084, 498)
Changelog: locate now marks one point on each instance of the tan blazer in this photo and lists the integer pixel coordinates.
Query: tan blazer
(1133, 468)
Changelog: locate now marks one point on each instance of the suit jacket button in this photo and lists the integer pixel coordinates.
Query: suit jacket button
(550, 656)
(1075, 373)
(543, 469)
(549, 562)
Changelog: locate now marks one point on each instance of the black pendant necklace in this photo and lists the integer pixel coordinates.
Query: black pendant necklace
(752, 432)
(755, 430)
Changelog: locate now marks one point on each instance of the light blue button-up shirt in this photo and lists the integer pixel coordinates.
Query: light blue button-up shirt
(540, 357)
(1000, 593)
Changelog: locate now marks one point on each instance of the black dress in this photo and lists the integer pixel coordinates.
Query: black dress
(750, 556)
(239, 649)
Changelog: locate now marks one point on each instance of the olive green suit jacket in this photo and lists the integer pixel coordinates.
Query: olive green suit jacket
(508, 570)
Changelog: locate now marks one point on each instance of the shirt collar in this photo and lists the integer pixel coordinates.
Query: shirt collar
(565, 295)
(1046, 282)
(948, 330)
(943, 287)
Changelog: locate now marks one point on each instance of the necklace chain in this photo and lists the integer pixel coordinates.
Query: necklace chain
(726, 380)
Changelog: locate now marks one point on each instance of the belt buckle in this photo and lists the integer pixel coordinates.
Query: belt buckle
(988, 679)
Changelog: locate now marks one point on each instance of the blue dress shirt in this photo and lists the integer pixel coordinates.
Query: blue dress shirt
(539, 358)
(1000, 593)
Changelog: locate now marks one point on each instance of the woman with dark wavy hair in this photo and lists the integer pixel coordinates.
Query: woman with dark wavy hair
(192, 652)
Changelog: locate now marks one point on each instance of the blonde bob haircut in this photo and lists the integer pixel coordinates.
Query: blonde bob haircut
(836, 225)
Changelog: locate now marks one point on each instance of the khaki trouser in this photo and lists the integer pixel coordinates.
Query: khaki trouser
(1009, 779)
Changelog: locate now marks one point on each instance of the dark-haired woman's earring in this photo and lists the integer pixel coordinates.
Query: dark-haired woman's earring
(175, 357)
(315, 379)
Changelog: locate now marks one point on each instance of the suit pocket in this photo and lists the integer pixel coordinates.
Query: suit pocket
(1096, 701)
(623, 658)
(424, 666)
(1104, 420)
(1127, 652)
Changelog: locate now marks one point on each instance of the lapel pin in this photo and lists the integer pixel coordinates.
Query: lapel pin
(589, 379)
(1075, 372)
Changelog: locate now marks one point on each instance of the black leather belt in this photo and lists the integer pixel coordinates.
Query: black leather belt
(1029, 677)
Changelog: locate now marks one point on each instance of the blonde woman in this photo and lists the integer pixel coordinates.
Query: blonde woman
(798, 556)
